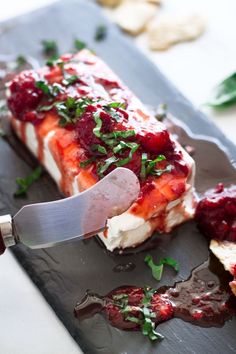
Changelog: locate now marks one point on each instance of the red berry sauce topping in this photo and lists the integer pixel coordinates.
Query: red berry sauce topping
(24, 96)
(205, 299)
(216, 213)
(84, 98)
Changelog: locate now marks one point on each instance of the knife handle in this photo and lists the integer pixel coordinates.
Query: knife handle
(6, 233)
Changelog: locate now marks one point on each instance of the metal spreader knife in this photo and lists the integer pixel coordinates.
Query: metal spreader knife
(79, 217)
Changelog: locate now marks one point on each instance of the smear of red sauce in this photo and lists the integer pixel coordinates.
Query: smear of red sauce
(204, 299)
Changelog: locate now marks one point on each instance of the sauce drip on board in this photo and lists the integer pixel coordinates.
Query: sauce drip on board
(204, 299)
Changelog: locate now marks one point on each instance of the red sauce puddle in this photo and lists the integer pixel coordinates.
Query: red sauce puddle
(205, 299)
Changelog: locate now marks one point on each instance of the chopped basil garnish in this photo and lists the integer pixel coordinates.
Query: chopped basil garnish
(103, 167)
(25, 183)
(71, 109)
(87, 162)
(116, 105)
(55, 61)
(99, 148)
(157, 269)
(79, 45)
(145, 318)
(133, 148)
(20, 61)
(101, 33)
(42, 85)
(119, 134)
(69, 79)
(50, 47)
(98, 121)
(148, 167)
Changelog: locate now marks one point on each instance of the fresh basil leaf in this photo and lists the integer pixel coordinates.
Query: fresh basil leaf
(20, 61)
(98, 121)
(224, 94)
(79, 45)
(133, 319)
(25, 183)
(99, 148)
(42, 85)
(157, 269)
(159, 172)
(119, 134)
(101, 33)
(87, 162)
(103, 167)
(143, 172)
(53, 61)
(69, 79)
(50, 47)
(133, 148)
(171, 262)
(116, 105)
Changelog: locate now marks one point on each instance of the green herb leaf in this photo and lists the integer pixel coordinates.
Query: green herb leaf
(159, 172)
(133, 319)
(25, 183)
(157, 269)
(224, 94)
(69, 79)
(143, 172)
(79, 45)
(98, 121)
(119, 134)
(42, 85)
(20, 61)
(171, 262)
(148, 329)
(103, 167)
(99, 148)
(50, 47)
(87, 162)
(116, 105)
(101, 33)
(53, 61)
(133, 148)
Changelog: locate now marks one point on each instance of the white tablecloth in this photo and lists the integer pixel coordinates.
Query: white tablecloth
(27, 323)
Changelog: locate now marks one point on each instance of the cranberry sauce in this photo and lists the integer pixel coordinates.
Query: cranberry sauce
(205, 299)
(109, 125)
(216, 213)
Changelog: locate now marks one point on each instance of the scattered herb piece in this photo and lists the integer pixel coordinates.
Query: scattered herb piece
(53, 61)
(116, 105)
(79, 45)
(157, 269)
(20, 61)
(133, 148)
(87, 162)
(103, 167)
(98, 121)
(148, 167)
(224, 94)
(101, 33)
(50, 47)
(25, 183)
(43, 85)
(99, 148)
(69, 79)
(161, 112)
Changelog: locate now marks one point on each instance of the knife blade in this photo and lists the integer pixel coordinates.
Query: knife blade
(78, 217)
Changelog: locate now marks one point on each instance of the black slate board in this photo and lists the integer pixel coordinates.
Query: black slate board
(64, 273)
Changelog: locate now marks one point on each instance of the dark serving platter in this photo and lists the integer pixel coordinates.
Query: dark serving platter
(65, 272)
